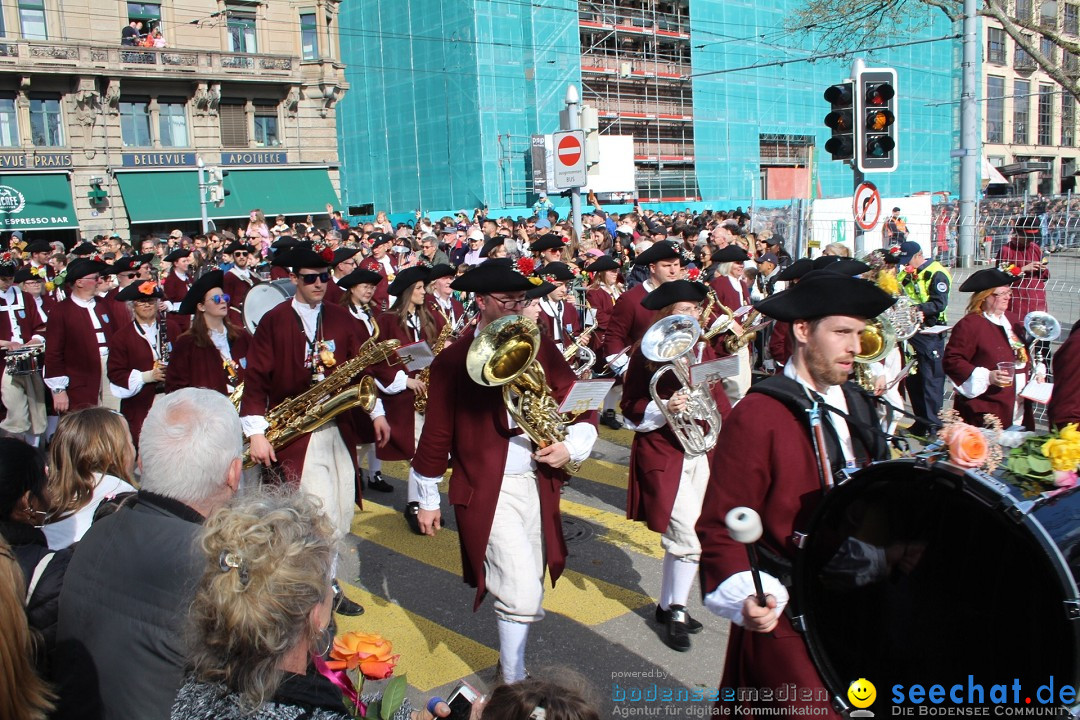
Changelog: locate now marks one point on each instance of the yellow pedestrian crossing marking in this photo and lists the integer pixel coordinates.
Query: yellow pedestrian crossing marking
(587, 600)
(618, 530)
(431, 654)
(602, 471)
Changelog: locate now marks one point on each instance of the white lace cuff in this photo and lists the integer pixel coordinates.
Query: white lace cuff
(727, 600)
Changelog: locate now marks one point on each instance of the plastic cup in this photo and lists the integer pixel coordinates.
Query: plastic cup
(1009, 368)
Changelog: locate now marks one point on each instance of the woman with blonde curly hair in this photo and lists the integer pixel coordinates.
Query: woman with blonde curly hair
(262, 612)
(91, 458)
(23, 695)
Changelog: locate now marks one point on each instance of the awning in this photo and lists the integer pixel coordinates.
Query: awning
(991, 175)
(173, 196)
(36, 201)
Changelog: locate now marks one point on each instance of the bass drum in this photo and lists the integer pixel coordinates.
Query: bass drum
(915, 573)
(264, 297)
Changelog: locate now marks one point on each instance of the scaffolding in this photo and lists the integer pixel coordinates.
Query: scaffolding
(635, 70)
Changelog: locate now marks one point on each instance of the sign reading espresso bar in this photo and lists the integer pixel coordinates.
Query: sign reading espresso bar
(41, 161)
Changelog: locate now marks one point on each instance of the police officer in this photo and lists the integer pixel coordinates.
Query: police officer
(926, 283)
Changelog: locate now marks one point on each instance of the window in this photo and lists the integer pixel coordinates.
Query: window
(9, 122)
(1070, 63)
(1068, 120)
(1022, 60)
(32, 19)
(995, 45)
(995, 109)
(1021, 103)
(242, 31)
(135, 122)
(144, 11)
(46, 128)
(172, 122)
(1046, 115)
(1048, 49)
(309, 37)
(1023, 9)
(233, 124)
(266, 126)
(1072, 19)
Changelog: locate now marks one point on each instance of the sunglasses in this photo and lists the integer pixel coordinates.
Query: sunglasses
(223, 298)
(312, 278)
(240, 253)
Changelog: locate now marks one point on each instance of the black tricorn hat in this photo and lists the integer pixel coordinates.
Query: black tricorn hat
(674, 291)
(821, 293)
(199, 288)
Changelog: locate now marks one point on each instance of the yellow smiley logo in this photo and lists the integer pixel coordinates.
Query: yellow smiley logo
(862, 693)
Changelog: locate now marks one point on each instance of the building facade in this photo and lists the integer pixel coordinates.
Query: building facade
(1029, 122)
(97, 136)
(447, 94)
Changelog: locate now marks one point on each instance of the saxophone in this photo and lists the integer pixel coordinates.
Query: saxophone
(735, 343)
(420, 403)
(325, 400)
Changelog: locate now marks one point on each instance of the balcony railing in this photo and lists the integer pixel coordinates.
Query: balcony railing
(1023, 61)
(153, 61)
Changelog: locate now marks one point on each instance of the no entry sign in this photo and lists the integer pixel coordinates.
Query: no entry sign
(569, 159)
(867, 206)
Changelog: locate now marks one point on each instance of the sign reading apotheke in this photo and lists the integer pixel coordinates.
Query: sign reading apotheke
(255, 158)
(158, 159)
(42, 161)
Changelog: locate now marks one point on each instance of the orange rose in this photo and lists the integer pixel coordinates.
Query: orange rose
(371, 653)
(967, 445)
(147, 288)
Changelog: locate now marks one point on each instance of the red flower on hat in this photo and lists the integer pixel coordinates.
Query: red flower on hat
(575, 270)
(1014, 271)
(7, 258)
(693, 275)
(525, 266)
(894, 250)
(565, 240)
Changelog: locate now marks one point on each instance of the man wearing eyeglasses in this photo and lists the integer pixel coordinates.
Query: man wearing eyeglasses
(344, 263)
(239, 280)
(430, 252)
(79, 330)
(380, 262)
(299, 343)
(504, 489)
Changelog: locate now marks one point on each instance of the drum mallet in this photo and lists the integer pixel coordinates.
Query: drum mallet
(744, 525)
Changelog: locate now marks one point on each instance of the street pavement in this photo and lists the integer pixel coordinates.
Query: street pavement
(599, 621)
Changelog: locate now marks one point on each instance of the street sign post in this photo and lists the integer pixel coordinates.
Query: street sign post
(570, 171)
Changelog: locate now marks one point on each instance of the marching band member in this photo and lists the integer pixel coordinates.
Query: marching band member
(731, 291)
(1064, 405)
(382, 263)
(281, 247)
(551, 248)
(558, 316)
(297, 345)
(34, 286)
(504, 490)
(79, 330)
(38, 253)
(213, 352)
(601, 296)
(176, 285)
(239, 280)
(667, 483)
(981, 342)
(1023, 252)
(440, 300)
(779, 477)
(409, 321)
(359, 287)
(344, 263)
(21, 326)
(135, 365)
(629, 320)
(780, 343)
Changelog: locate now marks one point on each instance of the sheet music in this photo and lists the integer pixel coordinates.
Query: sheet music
(1038, 392)
(714, 370)
(418, 355)
(585, 395)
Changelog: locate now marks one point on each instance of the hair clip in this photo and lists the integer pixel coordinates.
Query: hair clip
(538, 713)
(229, 561)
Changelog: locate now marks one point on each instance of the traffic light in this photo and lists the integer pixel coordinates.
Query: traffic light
(215, 185)
(841, 120)
(876, 133)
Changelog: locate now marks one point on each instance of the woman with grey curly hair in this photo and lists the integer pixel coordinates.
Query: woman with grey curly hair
(262, 610)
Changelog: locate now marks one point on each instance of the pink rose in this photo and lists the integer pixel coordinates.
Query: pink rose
(967, 445)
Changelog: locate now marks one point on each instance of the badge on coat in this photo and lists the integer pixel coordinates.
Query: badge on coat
(942, 287)
(105, 318)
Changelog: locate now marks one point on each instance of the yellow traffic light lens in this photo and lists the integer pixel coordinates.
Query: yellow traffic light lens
(879, 120)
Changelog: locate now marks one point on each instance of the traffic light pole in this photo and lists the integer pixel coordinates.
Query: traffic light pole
(202, 196)
(573, 121)
(969, 139)
(857, 66)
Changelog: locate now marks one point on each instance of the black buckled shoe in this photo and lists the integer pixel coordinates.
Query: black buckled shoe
(692, 626)
(412, 516)
(378, 484)
(608, 418)
(343, 605)
(677, 636)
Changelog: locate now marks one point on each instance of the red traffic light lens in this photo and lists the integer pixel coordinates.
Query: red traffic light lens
(879, 94)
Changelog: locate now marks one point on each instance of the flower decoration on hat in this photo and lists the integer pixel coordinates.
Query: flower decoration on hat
(39, 271)
(525, 266)
(685, 256)
(575, 270)
(8, 258)
(565, 240)
(895, 251)
(694, 275)
(147, 288)
(324, 251)
(1013, 270)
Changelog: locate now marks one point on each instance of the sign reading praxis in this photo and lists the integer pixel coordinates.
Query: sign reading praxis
(569, 159)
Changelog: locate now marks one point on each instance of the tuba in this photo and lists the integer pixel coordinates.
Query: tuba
(1043, 327)
(325, 400)
(504, 354)
(904, 318)
(876, 341)
(671, 341)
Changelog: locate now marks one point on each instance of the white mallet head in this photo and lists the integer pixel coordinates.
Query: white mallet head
(744, 525)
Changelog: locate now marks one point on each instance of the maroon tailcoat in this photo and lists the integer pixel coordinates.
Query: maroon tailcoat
(601, 301)
(458, 309)
(71, 349)
(175, 290)
(359, 429)
(381, 299)
(569, 323)
(977, 342)
(118, 308)
(467, 424)
(202, 367)
(777, 476)
(128, 350)
(780, 343)
(237, 289)
(334, 293)
(656, 456)
(276, 371)
(400, 406)
(733, 300)
(629, 321)
(27, 317)
(1029, 290)
(1064, 406)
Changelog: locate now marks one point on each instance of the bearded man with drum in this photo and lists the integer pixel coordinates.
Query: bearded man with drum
(778, 475)
(504, 489)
